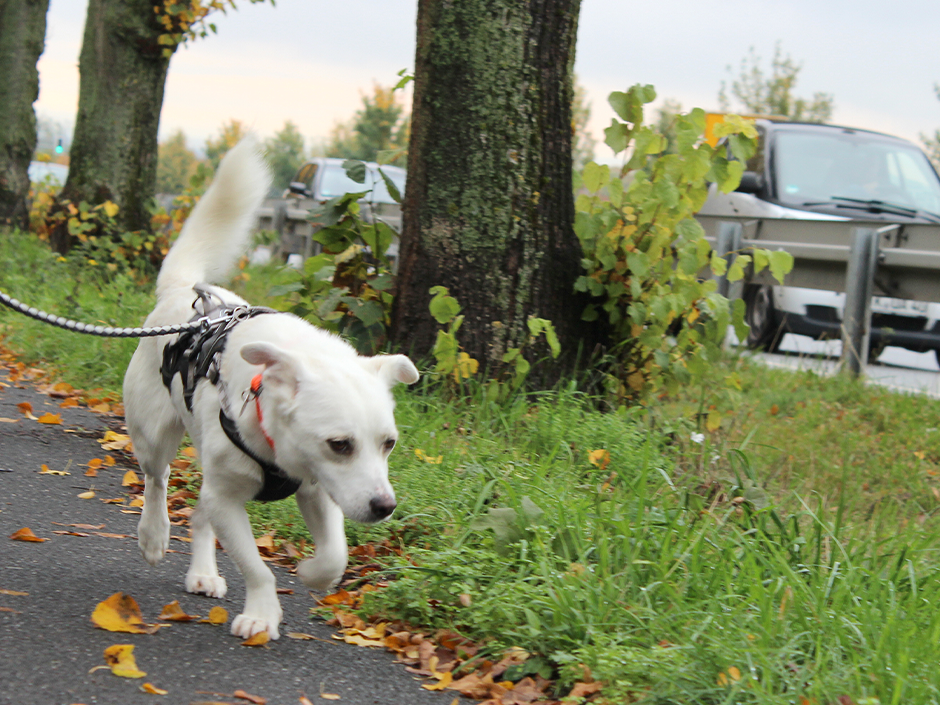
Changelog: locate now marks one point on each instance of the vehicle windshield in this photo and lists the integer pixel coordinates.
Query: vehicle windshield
(336, 183)
(847, 166)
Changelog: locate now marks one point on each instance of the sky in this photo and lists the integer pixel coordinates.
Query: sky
(311, 61)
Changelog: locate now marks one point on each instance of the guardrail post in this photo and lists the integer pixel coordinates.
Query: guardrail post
(859, 286)
(729, 239)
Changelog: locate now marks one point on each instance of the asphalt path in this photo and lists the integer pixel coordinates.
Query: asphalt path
(48, 644)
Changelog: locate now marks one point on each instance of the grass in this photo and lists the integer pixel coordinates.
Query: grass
(788, 558)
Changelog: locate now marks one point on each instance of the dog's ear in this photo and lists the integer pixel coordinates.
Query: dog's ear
(393, 369)
(280, 366)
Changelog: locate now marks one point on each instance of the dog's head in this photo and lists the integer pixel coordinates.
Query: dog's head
(334, 424)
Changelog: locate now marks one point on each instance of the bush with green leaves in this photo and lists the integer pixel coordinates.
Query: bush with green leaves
(645, 255)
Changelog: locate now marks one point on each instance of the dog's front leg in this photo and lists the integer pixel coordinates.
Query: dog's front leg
(325, 521)
(229, 519)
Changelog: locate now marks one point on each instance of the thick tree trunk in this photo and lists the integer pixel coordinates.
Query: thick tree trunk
(488, 210)
(114, 149)
(22, 33)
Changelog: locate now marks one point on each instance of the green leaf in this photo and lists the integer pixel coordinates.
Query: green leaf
(615, 191)
(736, 271)
(617, 136)
(781, 264)
(355, 170)
(719, 265)
(595, 176)
(742, 147)
(443, 307)
(369, 312)
(738, 309)
(392, 188)
(761, 259)
(623, 105)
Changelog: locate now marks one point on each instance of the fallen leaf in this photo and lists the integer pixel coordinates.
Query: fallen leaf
(256, 699)
(26, 534)
(446, 679)
(306, 637)
(217, 615)
(130, 479)
(599, 458)
(116, 441)
(62, 387)
(87, 495)
(189, 452)
(26, 409)
(102, 408)
(109, 461)
(14, 593)
(120, 659)
(329, 696)
(91, 472)
(6, 420)
(50, 418)
(95, 463)
(120, 613)
(46, 471)
(174, 613)
(583, 690)
(340, 597)
(259, 639)
(68, 403)
(304, 700)
(137, 502)
(152, 689)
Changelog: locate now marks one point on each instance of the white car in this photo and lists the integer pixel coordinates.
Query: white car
(826, 172)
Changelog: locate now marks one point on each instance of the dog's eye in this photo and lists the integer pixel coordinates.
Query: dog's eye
(388, 445)
(341, 446)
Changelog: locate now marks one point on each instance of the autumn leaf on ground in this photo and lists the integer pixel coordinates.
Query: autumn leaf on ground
(174, 613)
(120, 659)
(102, 408)
(68, 403)
(259, 639)
(583, 690)
(329, 696)
(46, 471)
(26, 534)
(340, 597)
(242, 695)
(445, 680)
(432, 459)
(130, 479)
(152, 689)
(120, 613)
(50, 418)
(26, 409)
(14, 593)
(116, 441)
(189, 452)
(217, 615)
(87, 495)
(599, 458)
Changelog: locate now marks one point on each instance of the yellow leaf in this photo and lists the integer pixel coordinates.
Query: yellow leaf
(120, 613)
(174, 613)
(433, 460)
(110, 208)
(329, 696)
(136, 502)
(217, 615)
(713, 422)
(152, 689)
(87, 495)
(920, 454)
(120, 659)
(465, 367)
(130, 478)
(734, 674)
(46, 471)
(445, 681)
(599, 458)
(49, 418)
(259, 639)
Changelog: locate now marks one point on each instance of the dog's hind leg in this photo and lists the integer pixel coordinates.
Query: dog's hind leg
(325, 521)
(203, 575)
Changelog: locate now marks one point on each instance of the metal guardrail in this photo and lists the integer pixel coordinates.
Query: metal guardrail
(860, 258)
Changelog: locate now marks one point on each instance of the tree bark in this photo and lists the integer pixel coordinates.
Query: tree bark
(22, 34)
(114, 150)
(488, 210)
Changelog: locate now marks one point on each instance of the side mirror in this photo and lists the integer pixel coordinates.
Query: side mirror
(299, 188)
(751, 182)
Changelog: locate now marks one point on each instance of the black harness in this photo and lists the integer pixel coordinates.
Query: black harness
(197, 354)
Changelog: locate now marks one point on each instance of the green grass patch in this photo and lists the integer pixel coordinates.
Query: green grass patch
(787, 557)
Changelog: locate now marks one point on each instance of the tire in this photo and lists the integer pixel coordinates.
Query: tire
(762, 318)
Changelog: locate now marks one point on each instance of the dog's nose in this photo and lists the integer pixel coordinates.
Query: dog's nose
(382, 506)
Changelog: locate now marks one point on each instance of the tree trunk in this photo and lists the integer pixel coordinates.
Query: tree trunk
(22, 33)
(488, 209)
(114, 150)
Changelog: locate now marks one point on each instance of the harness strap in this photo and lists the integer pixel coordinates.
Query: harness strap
(276, 484)
(256, 393)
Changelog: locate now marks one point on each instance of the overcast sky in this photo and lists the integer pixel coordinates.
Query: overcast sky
(310, 61)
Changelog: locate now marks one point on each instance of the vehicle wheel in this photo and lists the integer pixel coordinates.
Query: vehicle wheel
(761, 316)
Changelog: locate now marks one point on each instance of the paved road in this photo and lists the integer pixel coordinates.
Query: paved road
(47, 642)
(896, 368)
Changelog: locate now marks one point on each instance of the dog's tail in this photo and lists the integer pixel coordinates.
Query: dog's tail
(216, 233)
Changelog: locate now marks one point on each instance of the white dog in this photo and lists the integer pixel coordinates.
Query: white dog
(304, 412)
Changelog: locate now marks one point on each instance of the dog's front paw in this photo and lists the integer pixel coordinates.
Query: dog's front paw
(153, 535)
(321, 572)
(247, 625)
(209, 585)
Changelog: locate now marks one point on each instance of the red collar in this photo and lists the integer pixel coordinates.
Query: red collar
(256, 393)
